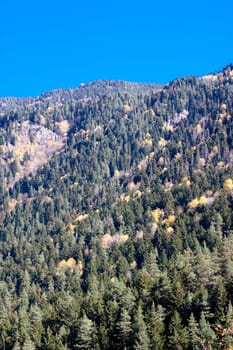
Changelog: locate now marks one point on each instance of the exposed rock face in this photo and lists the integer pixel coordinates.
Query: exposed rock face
(33, 146)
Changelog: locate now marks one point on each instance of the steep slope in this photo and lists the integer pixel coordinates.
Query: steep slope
(26, 124)
(127, 227)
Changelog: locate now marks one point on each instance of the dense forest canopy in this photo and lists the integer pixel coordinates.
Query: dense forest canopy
(116, 220)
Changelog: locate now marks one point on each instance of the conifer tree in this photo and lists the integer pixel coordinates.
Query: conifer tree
(85, 338)
(142, 341)
(28, 345)
(194, 333)
(227, 333)
(178, 335)
(157, 327)
(208, 337)
(124, 329)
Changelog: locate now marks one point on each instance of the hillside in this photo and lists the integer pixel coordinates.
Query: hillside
(64, 96)
(116, 216)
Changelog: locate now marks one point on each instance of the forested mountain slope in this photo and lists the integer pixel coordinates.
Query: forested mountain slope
(116, 216)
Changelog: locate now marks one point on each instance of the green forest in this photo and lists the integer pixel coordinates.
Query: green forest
(116, 217)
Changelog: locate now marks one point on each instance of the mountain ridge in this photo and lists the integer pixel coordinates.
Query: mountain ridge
(116, 218)
(92, 89)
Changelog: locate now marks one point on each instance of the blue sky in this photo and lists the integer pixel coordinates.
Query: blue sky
(53, 44)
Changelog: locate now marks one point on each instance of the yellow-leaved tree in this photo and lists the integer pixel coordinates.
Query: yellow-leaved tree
(228, 185)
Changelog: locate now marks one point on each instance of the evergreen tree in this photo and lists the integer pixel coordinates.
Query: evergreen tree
(194, 333)
(157, 327)
(141, 336)
(208, 337)
(85, 338)
(36, 324)
(28, 345)
(124, 330)
(178, 335)
(227, 333)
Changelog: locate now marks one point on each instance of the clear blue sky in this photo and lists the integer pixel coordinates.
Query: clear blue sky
(51, 44)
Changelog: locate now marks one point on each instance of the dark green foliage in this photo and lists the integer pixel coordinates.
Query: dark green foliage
(141, 336)
(177, 334)
(84, 261)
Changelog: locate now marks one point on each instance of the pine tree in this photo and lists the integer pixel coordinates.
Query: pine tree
(227, 334)
(152, 266)
(4, 325)
(194, 333)
(36, 324)
(86, 334)
(142, 341)
(178, 335)
(124, 329)
(28, 345)
(208, 337)
(157, 327)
